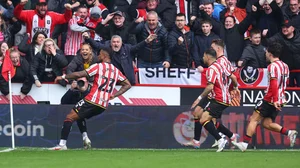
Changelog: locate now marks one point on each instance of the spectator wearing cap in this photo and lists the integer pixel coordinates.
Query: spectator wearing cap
(154, 54)
(115, 24)
(41, 19)
(91, 22)
(74, 34)
(289, 37)
(292, 13)
(166, 10)
(92, 3)
(22, 74)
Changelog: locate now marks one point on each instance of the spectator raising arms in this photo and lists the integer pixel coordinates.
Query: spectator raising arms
(41, 19)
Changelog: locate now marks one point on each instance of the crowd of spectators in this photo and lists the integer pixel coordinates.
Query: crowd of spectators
(47, 38)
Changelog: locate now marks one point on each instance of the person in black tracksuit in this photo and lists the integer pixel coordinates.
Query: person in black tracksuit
(180, 41)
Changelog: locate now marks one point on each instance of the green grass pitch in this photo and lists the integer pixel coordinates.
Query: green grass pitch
(139, 158)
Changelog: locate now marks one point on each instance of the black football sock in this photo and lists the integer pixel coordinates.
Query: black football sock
(210, 127)
(65, 131)
(221, 128)
(197, 130)
(81, 123)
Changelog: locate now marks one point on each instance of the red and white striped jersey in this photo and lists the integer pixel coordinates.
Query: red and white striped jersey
(105, 78)
(224, 62)
(216, 75)
(280, 71)
(74, 39)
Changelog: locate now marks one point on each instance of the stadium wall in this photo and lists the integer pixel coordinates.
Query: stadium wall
(162, 127)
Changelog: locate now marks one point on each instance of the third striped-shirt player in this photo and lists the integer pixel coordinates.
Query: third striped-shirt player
(267, 109)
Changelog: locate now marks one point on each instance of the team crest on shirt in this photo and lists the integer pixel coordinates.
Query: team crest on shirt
(250, 76)
(183, 128)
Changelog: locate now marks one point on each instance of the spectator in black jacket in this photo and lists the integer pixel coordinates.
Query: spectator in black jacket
(180, 41)
(154, 54)
(292, 13)
(233, 34)
(165, 9)
(107, 28)
(30, 50)
(289, 37)
(254, 53)
(121, 54)
(269, 19)
(22, 75)
(202, 42)
(48, 63)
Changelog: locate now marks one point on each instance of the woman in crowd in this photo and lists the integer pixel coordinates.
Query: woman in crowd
(48, 63)
(30, 50)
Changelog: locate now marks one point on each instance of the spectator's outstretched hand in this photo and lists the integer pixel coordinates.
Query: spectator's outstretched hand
(193, 18)
(38, 83)
(8, 97)
(201, 7)
(139, 20)
(85, 35)
(23, 2)
(180, 40)
(68, 6)
(9, 3)
(200, 69)
(254, 8)
(150, 38)
(265, 32)
(166, 64)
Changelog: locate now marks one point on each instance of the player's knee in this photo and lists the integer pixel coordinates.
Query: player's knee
(204, 117)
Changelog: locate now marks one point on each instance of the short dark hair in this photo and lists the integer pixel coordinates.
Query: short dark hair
(210, 3)
(180, 15)
(35, 36)
(275, 49)
(82, 6)
(218, 42)
(205, 21)
(230, 17)
(211, 52)
(254, 31)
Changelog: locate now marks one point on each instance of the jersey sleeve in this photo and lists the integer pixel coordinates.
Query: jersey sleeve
(121, 77)
(92, 70)
(272, 71)
(211, 75)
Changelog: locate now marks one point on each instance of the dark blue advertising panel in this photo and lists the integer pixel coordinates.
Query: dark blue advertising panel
(249, 97)
(132, 127)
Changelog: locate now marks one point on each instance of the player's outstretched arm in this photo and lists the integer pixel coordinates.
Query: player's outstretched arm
(74, 75)
(207, 90)
(125, 86)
